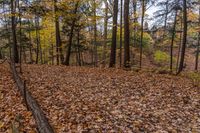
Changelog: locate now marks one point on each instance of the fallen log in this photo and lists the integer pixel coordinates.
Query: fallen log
(41, 120)
(1, 62)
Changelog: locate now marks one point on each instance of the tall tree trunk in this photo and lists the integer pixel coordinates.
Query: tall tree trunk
(20, 36)
(126, 34)
(114, 35)
(184, 42)
(105, 32)
(15, 53)
(142, 32)
(67, 60)
(30, 43)
(37, 38)
(1, 57)
(40, 46)
(197, 53)
(59, 52)
(198, 45)
(166, 14)
(135, 21)
(44, 56)
(95, 36)
(78, 47)
(6, 27)
(24, 55)
(172, 41)
(52, 58)
(121, 18)
(41, 52)
(179, 47)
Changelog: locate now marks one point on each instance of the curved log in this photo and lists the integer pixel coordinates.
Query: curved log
(41, 120)
(1, 62)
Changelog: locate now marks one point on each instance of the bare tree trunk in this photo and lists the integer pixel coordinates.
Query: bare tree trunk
(142, 32)
(24, 55)
(20, 37)
(114, 35)
(81, 57)
(179, 47)
(121, 18)
(59, 51)
(78, 47)
(198, 45)
(95, 36)
(14, 46)
(57, 33)
(166, 14)
(52, 58)
(126, 34)
(1, 57)
(30, 43)
(135, 21)
(67, 60)
(197, 53)
(6, 27)
(37, 38)
(44, 56)
(184, 42)
(105, 32)
(76, 52)
(40, 49)
(172, 42)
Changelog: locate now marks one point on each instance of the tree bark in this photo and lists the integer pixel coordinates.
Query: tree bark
(166, 14)
(126, 34)
(59, 51)
(30, 43)
(67, 60)
(114, 35)
(142, 32)
(20, 37)
(78, 47)
(198, 47)
(105, 32)
(95, 36)
(197, 54)
(172, 41)
(135, 21)
(40, 49)
(179, 47)
(121, 27)
(37, 38)
(15, 53)
(184, 42)
(1, 57)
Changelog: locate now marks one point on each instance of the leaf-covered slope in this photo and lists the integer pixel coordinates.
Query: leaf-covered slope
(91, 99)
(13, 113)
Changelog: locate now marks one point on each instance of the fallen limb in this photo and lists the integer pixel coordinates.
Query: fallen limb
(1, 62)
(41, 120)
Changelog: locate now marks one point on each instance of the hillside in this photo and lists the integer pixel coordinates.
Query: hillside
(85, 99)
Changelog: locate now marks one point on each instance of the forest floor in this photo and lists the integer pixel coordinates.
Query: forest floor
(80, 99)
(13, 113)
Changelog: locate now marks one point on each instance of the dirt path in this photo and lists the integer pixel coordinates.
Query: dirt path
(13, 113)
(96, 100)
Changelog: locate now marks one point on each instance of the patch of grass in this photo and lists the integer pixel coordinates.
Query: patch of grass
(161, 57)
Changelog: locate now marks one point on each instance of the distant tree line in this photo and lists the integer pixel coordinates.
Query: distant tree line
(91, 32)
